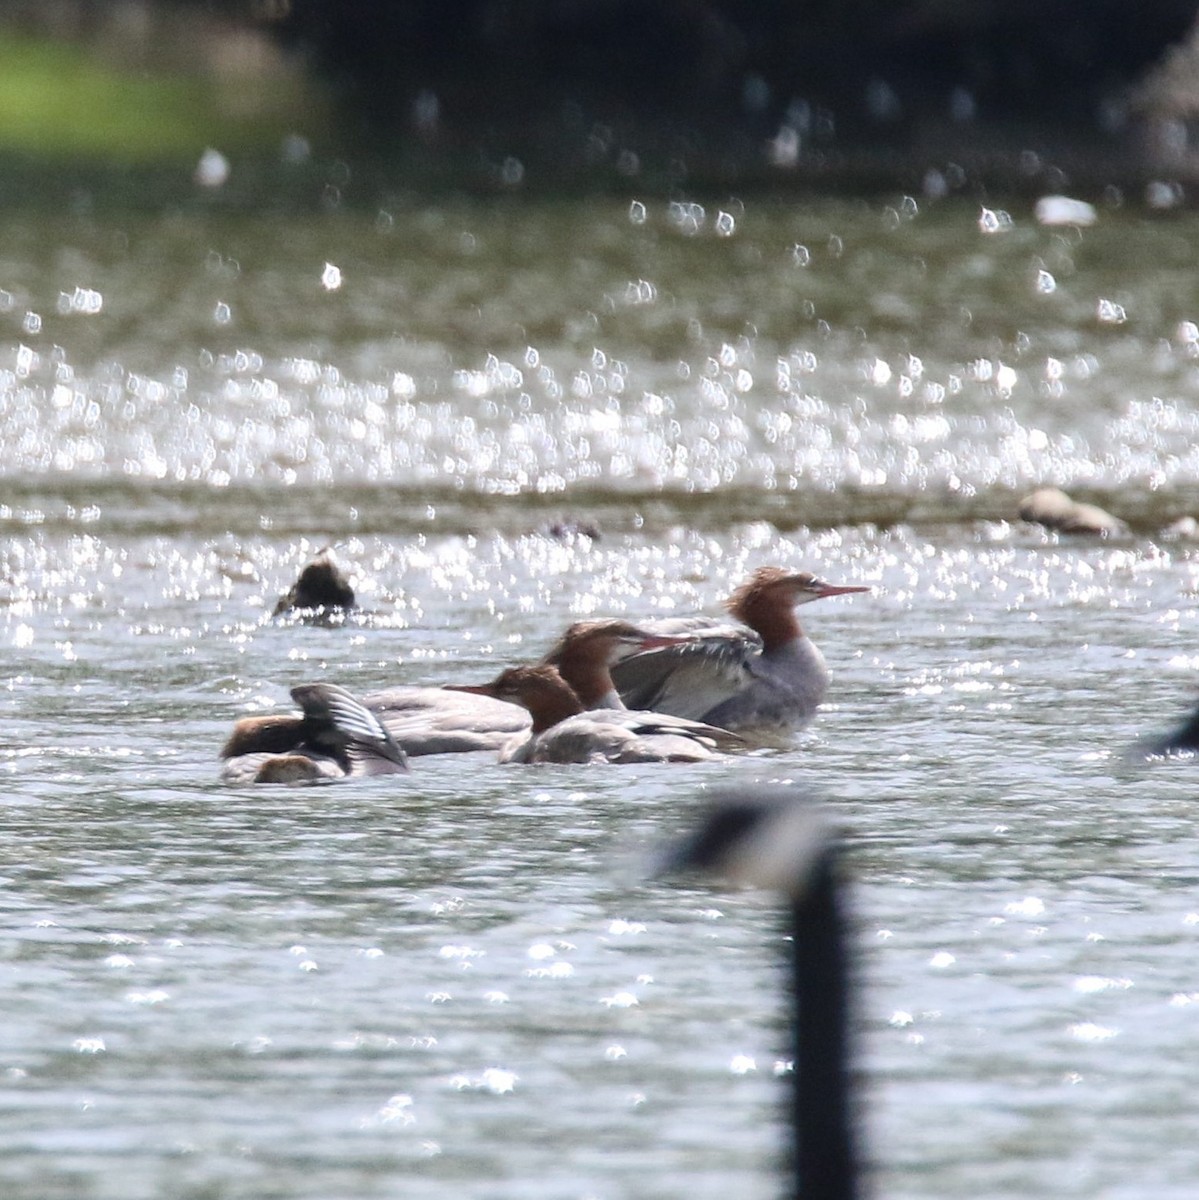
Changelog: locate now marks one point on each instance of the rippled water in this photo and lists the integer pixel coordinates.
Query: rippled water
(464, 983)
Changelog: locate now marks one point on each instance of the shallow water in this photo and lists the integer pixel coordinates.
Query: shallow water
(464, 982)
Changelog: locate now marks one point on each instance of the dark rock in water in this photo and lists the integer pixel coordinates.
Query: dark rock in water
(568, 528)
(322, 586)
(1052, 508)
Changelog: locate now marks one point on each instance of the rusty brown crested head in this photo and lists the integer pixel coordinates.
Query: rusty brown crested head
(767, 599)
(540, 689)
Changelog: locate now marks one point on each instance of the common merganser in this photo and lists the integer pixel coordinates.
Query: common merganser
(564, 731)
(335, 737)
(776, 837)
(764, 677)
(433, 720)
(420, 720)
(587, 651)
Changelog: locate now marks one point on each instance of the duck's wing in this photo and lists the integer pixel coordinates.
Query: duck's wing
(690, 678)
(429, 720)
(646, 724)
(697, 625)
(342, 723)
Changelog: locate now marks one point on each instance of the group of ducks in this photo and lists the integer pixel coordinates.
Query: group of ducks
(677, 689)
(681, 689)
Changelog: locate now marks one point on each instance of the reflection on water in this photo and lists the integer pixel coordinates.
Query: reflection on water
(897, 352)
(464, 981)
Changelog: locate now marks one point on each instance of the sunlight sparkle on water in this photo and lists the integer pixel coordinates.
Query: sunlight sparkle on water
(1111, 313)
(1090, 984)
(496, 1080)
(1089, 1031)
(994, 221)
(82, 301)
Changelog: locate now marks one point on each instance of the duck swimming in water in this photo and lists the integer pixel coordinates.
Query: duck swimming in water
(764, 677)
(420, 720)
(333, 737)
(564, 731)
(322, 591)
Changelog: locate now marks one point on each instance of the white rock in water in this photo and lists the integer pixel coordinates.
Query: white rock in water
(1054, 509)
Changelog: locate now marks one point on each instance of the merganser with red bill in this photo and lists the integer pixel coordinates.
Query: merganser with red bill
(334, 737)
(764, 677)
(564, 731)
(588, 650)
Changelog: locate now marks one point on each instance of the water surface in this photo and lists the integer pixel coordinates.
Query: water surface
(464, 982)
